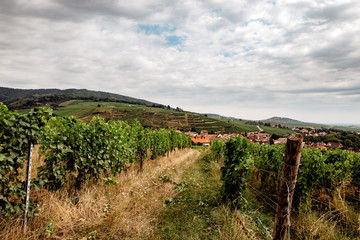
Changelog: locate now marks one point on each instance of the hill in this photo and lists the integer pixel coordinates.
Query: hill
(290, 123)
(85, 104)
(28, 98)
(282, 120)
(148, 116)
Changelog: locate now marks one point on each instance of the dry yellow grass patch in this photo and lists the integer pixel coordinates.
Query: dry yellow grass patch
(123, 211)
(337, 222)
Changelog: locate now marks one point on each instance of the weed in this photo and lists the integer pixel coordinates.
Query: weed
(110, 181)
(50, 228)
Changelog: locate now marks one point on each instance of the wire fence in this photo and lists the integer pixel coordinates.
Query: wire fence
(340, 215)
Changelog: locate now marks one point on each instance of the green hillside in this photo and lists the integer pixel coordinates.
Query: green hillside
(29, 98)
(159, 118)
(85, 104)
(149, 116)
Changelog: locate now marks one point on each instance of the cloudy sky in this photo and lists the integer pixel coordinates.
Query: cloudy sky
(247, 59)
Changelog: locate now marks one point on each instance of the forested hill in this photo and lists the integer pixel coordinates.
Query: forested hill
(27, 98)
(282, 120)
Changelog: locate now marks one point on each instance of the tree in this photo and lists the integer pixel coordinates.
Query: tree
(332, 138)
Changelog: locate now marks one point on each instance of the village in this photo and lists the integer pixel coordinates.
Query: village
(205, 139)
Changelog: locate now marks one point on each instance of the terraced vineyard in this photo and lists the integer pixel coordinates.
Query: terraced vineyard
(150, 117)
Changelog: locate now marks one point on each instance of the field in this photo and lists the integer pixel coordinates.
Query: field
(151, 117)
(277, 131)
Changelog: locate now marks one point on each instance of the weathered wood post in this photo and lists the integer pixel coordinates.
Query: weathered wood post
(141, 162)
(287, 185)
(27, 183)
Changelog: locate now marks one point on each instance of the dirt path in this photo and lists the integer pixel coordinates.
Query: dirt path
(126, 210)
(142, 195)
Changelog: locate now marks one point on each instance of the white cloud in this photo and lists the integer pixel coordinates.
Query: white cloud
(249, 59)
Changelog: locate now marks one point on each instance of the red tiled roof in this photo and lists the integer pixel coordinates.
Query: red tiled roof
(200, 139)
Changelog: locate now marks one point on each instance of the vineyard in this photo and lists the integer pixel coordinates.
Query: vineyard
(328, 183)
(75, 152)
(232, 190)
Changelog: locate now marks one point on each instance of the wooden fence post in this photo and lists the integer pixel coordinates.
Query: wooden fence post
(141, 162)
(27, 183)
(287, 185)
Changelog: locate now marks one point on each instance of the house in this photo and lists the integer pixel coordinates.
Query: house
(212, 137)
(334, 145)
(280, 141)
(201, 139)
(303, 131)
(250, 133)
(259, 138)
(320, 147)
(191, 134)
(204, 133)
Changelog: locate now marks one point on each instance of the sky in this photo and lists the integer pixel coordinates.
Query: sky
(246, 59)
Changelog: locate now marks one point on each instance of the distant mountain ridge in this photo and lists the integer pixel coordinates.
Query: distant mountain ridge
(282, 120)
(25, 98)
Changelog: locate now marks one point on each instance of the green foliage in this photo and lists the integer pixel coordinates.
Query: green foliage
(238, 166)
(49, 229)
(17, 132)
(319, 169)
(269, 163)
(74, 150)
(217, 149)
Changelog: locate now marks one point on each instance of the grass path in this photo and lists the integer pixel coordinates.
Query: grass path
(190, 215)
(196, 212)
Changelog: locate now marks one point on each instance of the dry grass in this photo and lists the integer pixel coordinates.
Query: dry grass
(236, 226)
(339, 221)
(313, 226)
(123, 211)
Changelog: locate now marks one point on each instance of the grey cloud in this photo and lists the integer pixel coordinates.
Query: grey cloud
(326, 14)
(77, 10)
(300, 59)
(353, 90)
(337, 53)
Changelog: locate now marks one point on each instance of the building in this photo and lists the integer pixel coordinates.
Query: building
(204, 133)
(259, 138)
(191, 134)
(205, 141)
(334, 145)
(304, 131)
(280, 141)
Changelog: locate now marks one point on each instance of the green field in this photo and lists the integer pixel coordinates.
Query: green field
(241, 124)
(157, 117)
